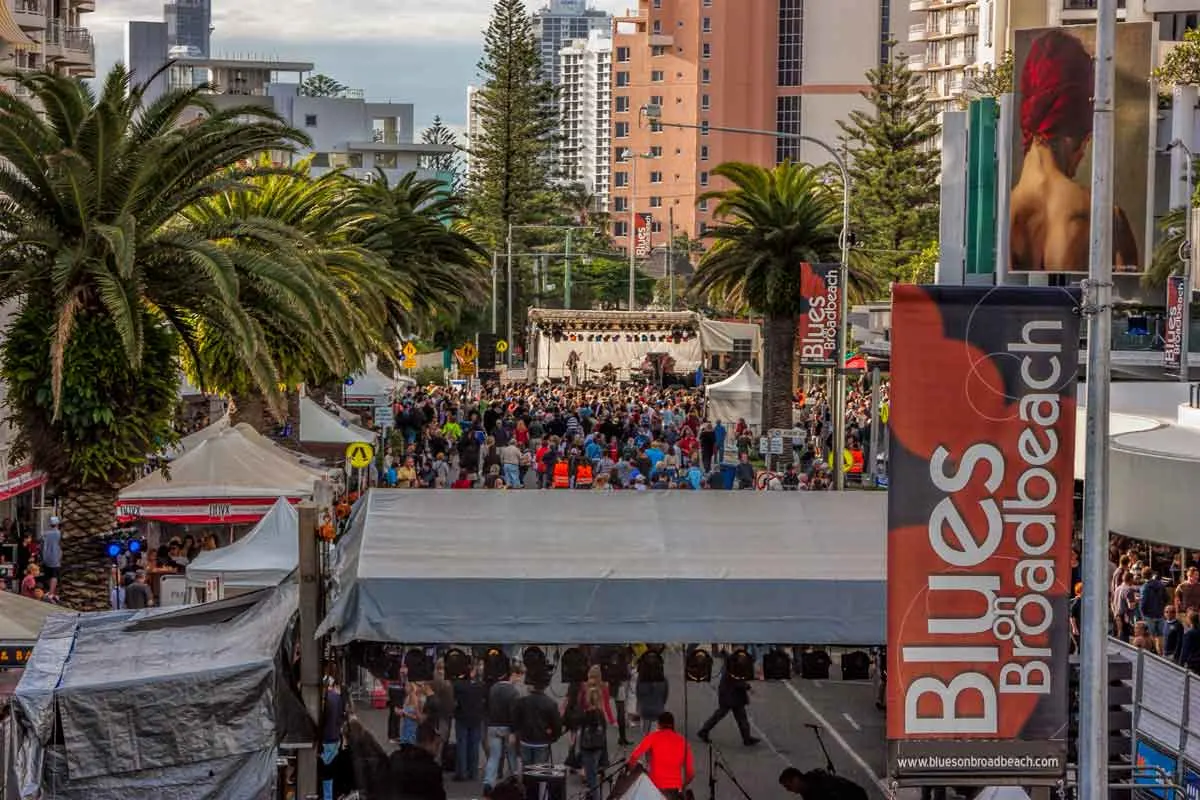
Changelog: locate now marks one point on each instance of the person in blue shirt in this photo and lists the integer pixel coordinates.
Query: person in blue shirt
(593, 451)
(719, 435)
(655, 455)
(695, 477)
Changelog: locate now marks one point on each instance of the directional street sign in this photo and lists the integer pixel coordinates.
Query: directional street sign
(501, 346)
(384, 418)
(360, 454)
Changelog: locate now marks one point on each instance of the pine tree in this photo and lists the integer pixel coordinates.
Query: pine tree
(439, 133)
(894, 170)
(322, 86)
(992, 81)
(512, 152)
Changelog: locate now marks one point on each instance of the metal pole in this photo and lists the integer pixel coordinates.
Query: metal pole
(508, 306)
(567, 272)
(310, 653)
(1186, 321)
(839, 412)
(1093, 680)
(495, 281)
(632, 228)
(671, 258)
(869, 469)
(1004, 200)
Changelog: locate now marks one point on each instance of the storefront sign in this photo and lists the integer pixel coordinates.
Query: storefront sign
(14, 655)
(980, 533)
(817, 333)
(1173, 335)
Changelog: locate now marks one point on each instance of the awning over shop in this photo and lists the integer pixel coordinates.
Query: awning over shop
(21, 620)
(436, 566)
(21, 480)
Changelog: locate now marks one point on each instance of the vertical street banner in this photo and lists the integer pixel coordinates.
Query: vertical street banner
(817, 333)
(1173, 334)
(982, 420)
(641, 235)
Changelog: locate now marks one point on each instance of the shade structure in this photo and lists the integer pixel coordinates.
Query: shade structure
(370, 386)
(318, 426)
(264, 557)
(193, 440)
(227, 479)
(305, 462)
(575, 567)
(737, 397)
(21, 619)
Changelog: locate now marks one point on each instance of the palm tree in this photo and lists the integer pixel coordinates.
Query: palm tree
(770, 222)
(1165, 261)
(110, 279)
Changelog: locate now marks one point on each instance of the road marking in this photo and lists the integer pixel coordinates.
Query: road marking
(853, 724)
(837, 737)
(817, 684)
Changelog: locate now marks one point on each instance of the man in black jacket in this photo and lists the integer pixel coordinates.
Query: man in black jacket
(470, 709)
(415, 771)
(733, 695)
(820, 785)
(537, 725)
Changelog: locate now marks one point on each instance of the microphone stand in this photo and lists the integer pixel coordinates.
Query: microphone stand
(829, 767)
(712, 772)
(721, 766)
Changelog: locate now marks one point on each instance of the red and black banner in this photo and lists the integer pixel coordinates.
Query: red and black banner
(979, 533)
(641, 235)
(1173, 335)
(817, 333)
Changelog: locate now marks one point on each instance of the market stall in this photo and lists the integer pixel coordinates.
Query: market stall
(321, 427)
(737, 397)
(264, 557)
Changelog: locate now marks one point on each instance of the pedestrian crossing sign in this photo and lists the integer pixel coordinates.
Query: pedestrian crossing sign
(359, 454)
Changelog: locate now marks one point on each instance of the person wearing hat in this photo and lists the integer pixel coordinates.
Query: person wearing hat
(52, 556)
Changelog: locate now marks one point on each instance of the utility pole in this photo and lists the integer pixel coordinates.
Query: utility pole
(1097, 305)
(1189, 232)
(567, 272)
(670, 258)
(508, 306)
(632, 227)
(495, 280)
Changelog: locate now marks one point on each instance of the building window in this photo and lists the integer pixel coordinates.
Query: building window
(703, 204)
(655, 201)
(620, 229)
(658, 3)
(657, 76)
(622, 104)
(320, 159)
(657, 26)
(704, 127)
(623, 55)
(706, 25)
(310, 120)
(658, 50)
(791, 42)
(656, 126)
(656, 151)
(787, 120)
(707, 3)
(656, 177)
(704, 179)
(621, 130)
(706, 50)
(656, 100)
(622, 78)
(704, 152)
(885, 31)
(705, 76)
(620, 203)
(655, 226)
(620, 179)
(705, 102)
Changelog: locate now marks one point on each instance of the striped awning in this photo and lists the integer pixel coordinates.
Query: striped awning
(10, 31)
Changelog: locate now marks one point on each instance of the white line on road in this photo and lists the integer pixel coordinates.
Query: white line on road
(853, 724)
(837, 737)
(761, 734)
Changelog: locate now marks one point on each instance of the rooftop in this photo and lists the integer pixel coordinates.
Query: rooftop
(237, 62)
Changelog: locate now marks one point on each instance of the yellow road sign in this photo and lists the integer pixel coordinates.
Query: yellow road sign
(409, 350)
(360, 454)
(501, 346)
(467, 369)
(469, 352)
(410, 363)
(885, 411)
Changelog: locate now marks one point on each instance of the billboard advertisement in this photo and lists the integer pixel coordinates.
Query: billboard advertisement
(817, 332)
(982, 420)
(1054, 82)
(1153, 767)
(641, 234)
(1173, 332)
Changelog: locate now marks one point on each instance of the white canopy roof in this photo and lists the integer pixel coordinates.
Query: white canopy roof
(299, 459)
(262, 558)
(371, 382)
(21, 618)
(193, 440)
(318, 426)
(443, 566)
(224, 466)
(737, 397)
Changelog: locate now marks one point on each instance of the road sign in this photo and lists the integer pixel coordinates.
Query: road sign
(469, 351)
(885, 411)
(776, 445)
(791, 433)
(501, 346)
(384, 418)
(360, 454)
(764, 446)
(410, 363)
(409, 350)
(466, 369)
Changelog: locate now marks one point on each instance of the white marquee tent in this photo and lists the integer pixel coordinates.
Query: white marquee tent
(737, 397)
(318, 426)
(442, 566)
(226, 479)
(262, 558)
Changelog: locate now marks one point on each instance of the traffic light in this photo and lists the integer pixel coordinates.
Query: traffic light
(486, 344)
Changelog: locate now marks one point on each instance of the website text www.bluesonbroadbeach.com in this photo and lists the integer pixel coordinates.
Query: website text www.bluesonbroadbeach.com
(944, 763)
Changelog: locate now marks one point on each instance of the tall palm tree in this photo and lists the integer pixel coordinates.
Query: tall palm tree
(770, 222)
(110, 278)
(1165, 259)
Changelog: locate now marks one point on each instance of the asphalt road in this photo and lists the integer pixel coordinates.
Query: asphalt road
(780, 713)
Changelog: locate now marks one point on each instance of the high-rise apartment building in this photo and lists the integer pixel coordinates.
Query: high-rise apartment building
(189, 27)
(585, 100)
(562, 21)
(474, 128)
(46, 35)
(792, 66)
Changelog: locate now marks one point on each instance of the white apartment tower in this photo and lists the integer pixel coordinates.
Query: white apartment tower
(560, 22)
(474, 127)
(47, 35)
(585, 99)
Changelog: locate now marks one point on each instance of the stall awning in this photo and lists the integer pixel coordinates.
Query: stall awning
(21, 480)
(569, 567)
(10, 31)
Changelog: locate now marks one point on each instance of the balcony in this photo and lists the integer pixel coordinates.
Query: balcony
(661, 40)
(964, 27)
(959, 60)
(78, 48)
(916, 63)
(918, 5)
(1090, 5)
(85, 6)
(30, 14)
(917, 33)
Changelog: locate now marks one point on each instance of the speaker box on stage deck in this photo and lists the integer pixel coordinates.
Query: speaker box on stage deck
(777, 666)
(545, 782)
(650, 667)
(814, 665)
(614, 663)
(856, 666)
(574, 665)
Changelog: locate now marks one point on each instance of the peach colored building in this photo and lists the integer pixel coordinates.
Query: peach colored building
(795, 66)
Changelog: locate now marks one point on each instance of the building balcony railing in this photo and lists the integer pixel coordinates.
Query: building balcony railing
(54, 33)
(918, 5)
(78, 40)
(917, 33)
(1085, 5)
(30, 14)
(964, 28)
(916, 63)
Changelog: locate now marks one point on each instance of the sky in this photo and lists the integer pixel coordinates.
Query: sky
(414, 51)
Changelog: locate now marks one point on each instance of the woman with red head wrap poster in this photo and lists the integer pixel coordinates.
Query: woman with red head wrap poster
(1051, 201)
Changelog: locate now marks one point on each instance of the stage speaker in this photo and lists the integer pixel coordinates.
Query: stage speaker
(614, 663)
(458, 665)
(698, 665)
(419, 664)
(496, 666)
(742, 352)
(777, 665)
(856, 666)
(545, 782)
(651, 668)
(574, 665)
(537, 666)
(487, 351)
(814, 665)
(740, 664)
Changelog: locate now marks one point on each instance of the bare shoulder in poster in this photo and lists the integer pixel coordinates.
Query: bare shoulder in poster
(1051, 206)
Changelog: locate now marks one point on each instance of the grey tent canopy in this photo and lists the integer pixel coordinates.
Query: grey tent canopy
(448, 566)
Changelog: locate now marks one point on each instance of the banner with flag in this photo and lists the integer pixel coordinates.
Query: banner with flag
(817, 332)
(641, 235)
(1173, 335)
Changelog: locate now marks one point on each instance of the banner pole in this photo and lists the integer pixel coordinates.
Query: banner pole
(1186, 290)
(1097, 305)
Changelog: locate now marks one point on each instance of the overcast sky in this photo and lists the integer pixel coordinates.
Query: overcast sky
(419, 51)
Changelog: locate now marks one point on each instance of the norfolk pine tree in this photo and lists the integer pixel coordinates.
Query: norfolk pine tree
(514, 146)
(894, 170)
(439, 133)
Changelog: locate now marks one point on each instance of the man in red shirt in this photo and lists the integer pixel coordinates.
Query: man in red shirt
(672, 766)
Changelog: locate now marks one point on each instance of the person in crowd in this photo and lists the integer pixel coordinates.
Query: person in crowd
(733, 696)
(470, 713)
(744, 477)
(440, 704)
(537, 725)
(1172, 634)
(1189, 648)
(592, 741)
(501, 709)
(1152, 599)
(416, 773)
(29, 583)
(51, 541)
(652, 693)
(820, 785)
(672, 763)
(138, 594)
(1187, 594)
(333, 718)
(412, 712)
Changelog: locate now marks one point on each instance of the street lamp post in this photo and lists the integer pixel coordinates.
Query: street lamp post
(632, 158)
(839, 398)
(1186, 252)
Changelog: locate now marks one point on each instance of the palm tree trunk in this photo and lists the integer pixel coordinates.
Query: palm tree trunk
(779, 345)
(252, 408)
(87, 519)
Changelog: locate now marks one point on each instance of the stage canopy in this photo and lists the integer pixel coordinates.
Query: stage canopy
(718, 337)
(226, 479)
(262, 558)
(452, 567)
(737, 397)
(318, 426)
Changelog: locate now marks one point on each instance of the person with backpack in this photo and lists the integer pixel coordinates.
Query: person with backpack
(1153, 600)
(593, 737)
